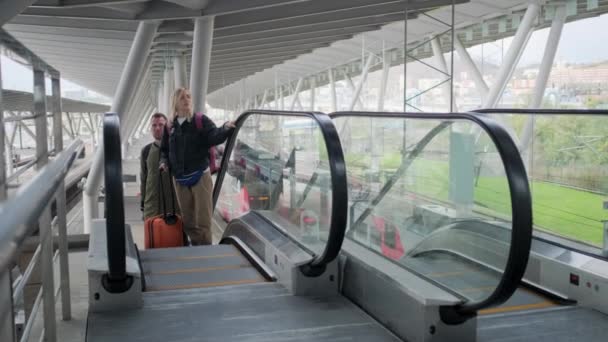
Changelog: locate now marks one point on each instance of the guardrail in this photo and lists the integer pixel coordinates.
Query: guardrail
(27, 210)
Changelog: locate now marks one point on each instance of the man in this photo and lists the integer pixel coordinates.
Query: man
(149, 176)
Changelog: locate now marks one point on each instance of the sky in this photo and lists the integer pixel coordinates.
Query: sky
(582, 41)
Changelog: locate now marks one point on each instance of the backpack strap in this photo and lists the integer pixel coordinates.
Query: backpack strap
(146, 151)
(198, 121)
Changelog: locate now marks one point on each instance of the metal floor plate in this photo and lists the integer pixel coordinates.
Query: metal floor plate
(550, 325)
(244, 313)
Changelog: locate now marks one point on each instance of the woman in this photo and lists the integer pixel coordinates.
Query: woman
(185, 151)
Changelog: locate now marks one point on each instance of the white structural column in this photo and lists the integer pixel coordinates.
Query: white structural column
(332, 90)
(201, 59)
(144, 112)
(179, 71)
(135, 107)
(357, 93)
(159, 95)
(443, 67)
(511, 59)
(124, 92)
(295, 94)
(386, 67)
(142, 121)
(469, 64)
(544, 71)
(167, 91)
(264, 97)
(313, 90)
(136, 112)
(352, 87)
(276, 92)
(299, 102)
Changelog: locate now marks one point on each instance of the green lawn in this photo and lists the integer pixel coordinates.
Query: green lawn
(568, 212)
(564, 211)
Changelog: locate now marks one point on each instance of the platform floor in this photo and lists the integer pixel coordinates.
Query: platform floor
(243, 313)
(561, 324)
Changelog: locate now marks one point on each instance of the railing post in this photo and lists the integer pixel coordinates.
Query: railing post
(605, 248)
(42, 148)
(46, 268)
(7, 323)
(3, 167)
(292, 172)
(64, 271)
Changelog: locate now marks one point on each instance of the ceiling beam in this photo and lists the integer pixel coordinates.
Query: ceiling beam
(82, 3)
(104, 25)
(268, 42)
(9, 9)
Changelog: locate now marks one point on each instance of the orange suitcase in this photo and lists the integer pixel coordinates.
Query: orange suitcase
(166, 229)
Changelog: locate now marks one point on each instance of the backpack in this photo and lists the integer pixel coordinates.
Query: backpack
(213, 167)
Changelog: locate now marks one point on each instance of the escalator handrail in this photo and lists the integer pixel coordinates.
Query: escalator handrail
(572, 112)
(339, 208)
(116, 280)
(521, 208)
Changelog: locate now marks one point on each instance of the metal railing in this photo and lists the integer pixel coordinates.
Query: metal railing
(29, 209)
(21, 170)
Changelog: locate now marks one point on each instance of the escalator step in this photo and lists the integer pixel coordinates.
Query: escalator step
(196, 267)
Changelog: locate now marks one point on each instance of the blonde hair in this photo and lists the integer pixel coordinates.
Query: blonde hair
(174, 101)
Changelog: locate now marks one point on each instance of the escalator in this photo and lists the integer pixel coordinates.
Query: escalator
(461, 240)
(263, 281)
(434, 157)
(285, 267)
(566, 270)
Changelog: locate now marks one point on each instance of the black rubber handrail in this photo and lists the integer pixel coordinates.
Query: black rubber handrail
(521, 207)
(599, 112)
(116, 280)
(337, 167)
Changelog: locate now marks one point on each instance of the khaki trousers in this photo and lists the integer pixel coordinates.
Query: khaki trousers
(196, 204)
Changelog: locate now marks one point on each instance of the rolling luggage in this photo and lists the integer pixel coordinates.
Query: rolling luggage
(166, 229)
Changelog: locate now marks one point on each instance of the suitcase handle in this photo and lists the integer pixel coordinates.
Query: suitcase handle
(161, 194)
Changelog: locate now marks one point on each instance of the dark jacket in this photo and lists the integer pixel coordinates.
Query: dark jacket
(150, 186)
(185, 149)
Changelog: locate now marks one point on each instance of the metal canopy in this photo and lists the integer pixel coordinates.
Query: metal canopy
(88, 40)
(258, 41)
(21, 101)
